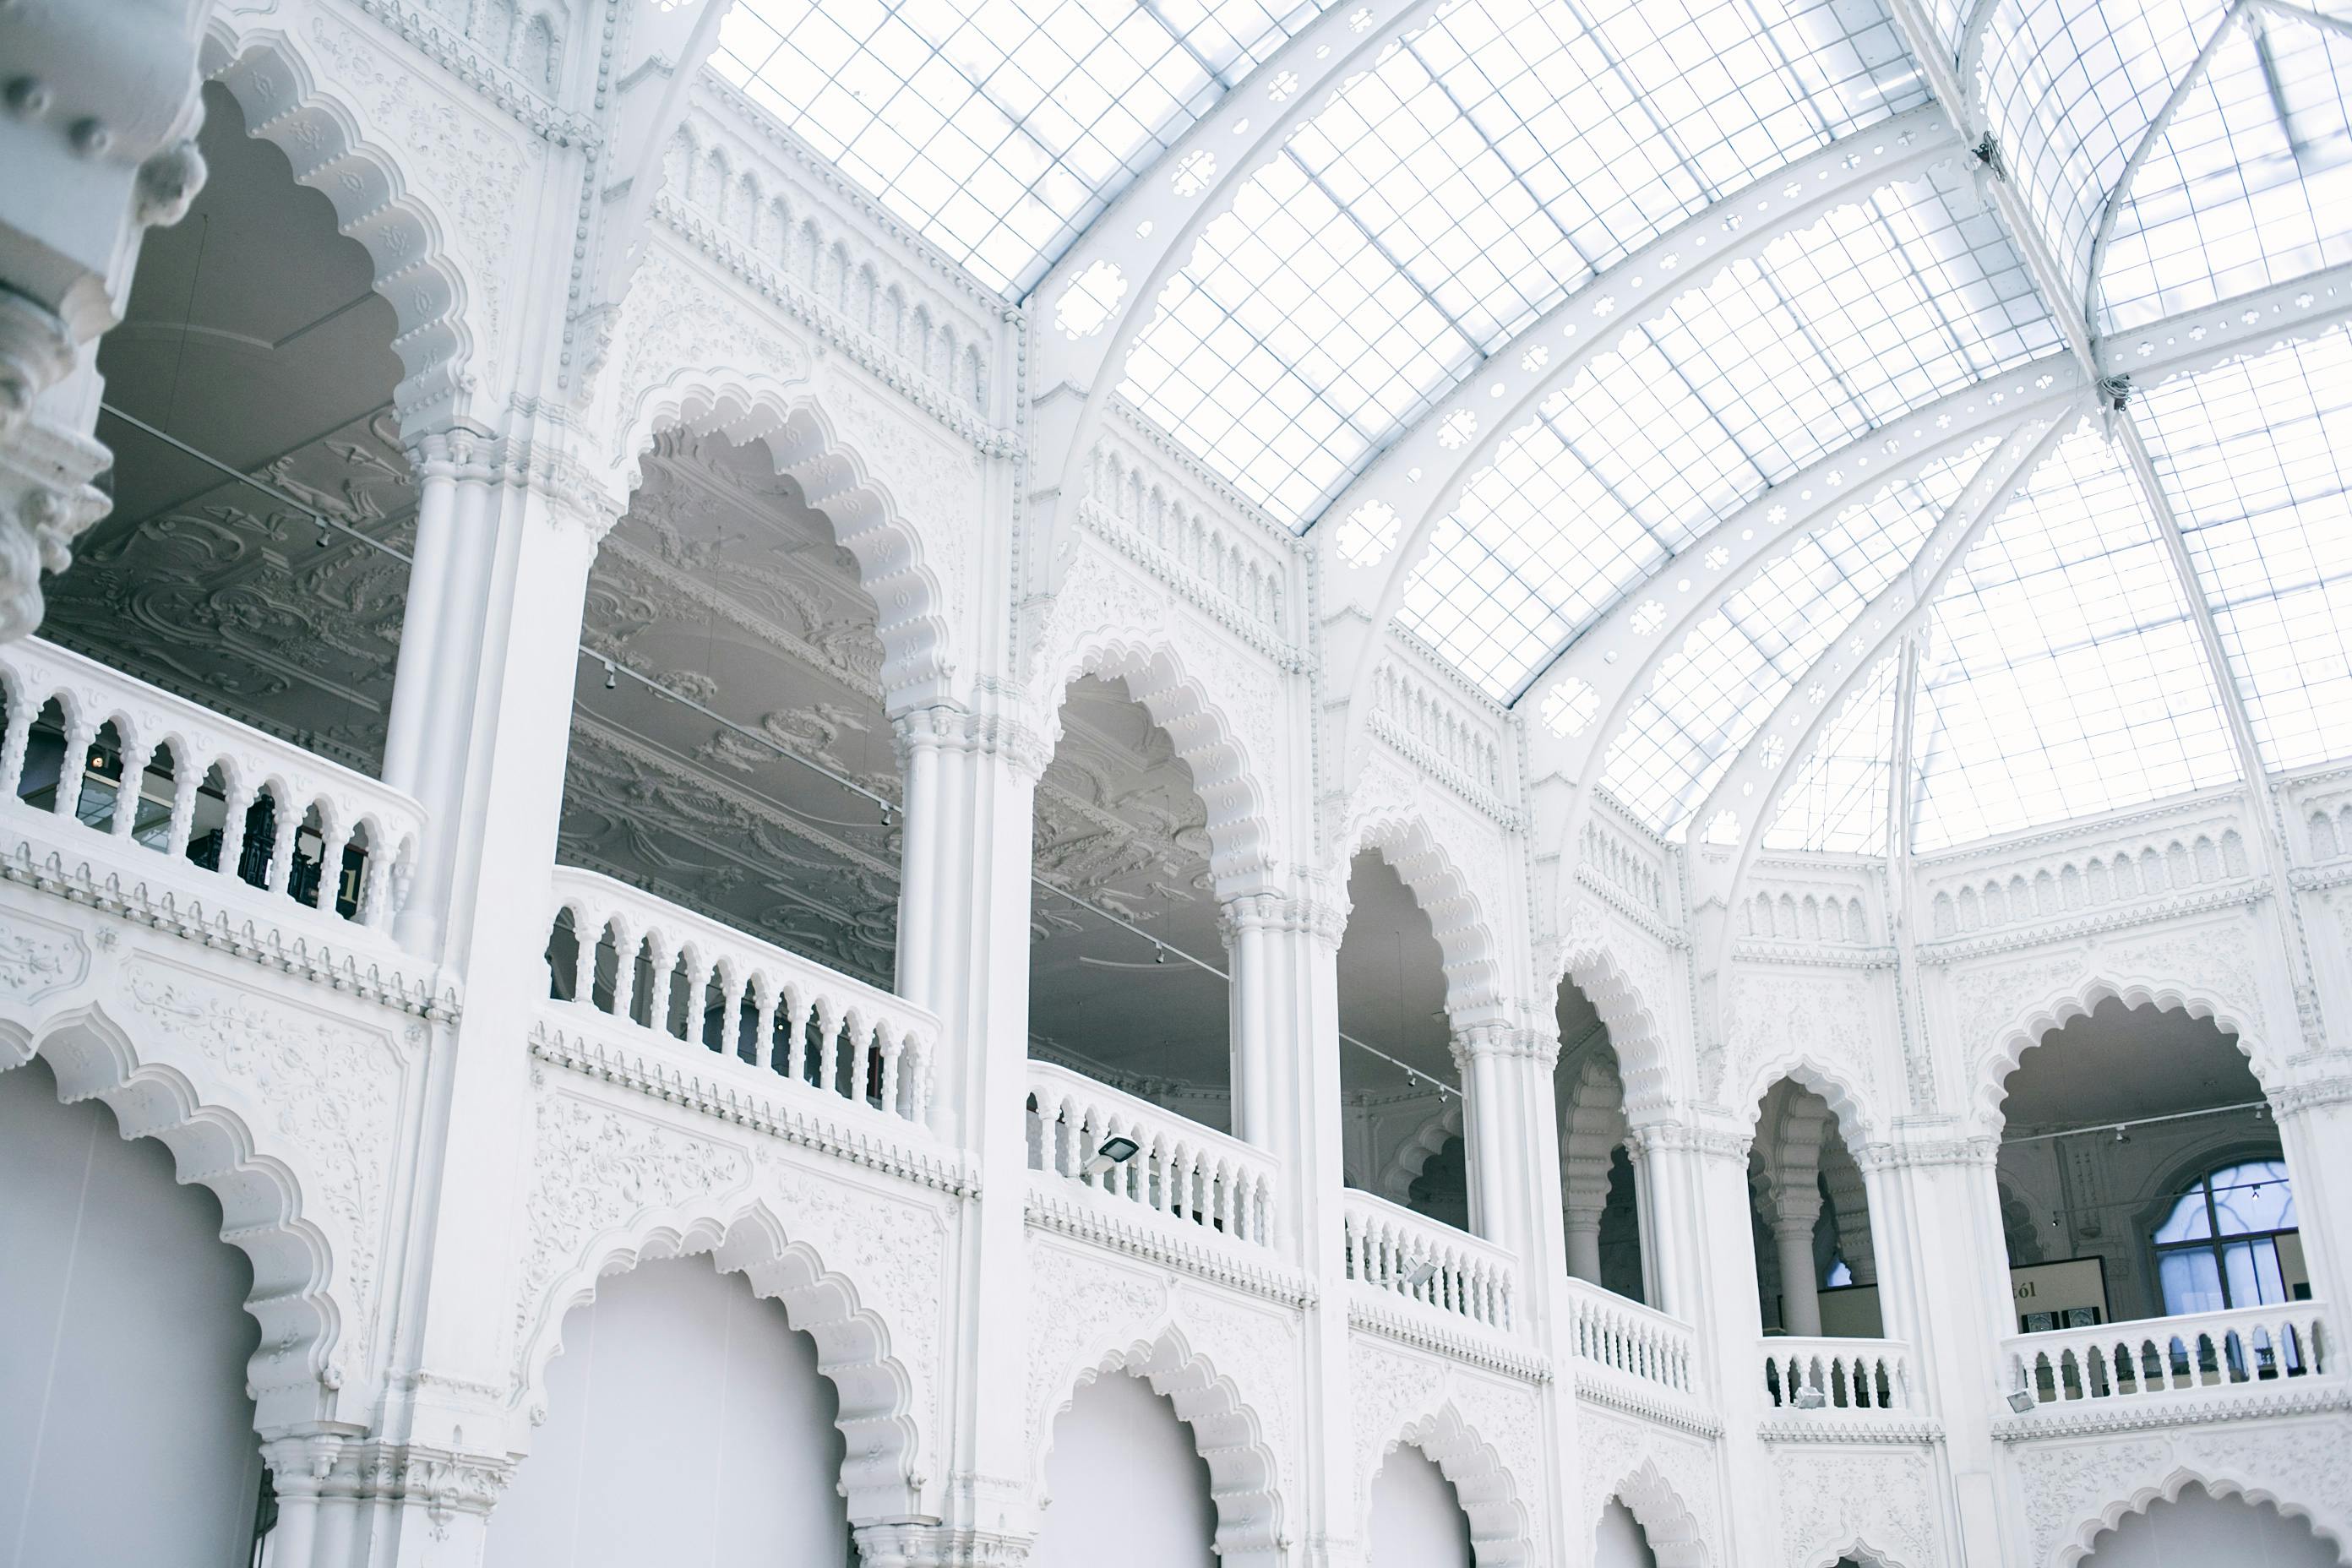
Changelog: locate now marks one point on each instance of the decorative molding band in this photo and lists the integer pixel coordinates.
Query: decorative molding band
(1103, 524)
(1084, 1222)
(2320, 878)
(1598, 1386)
(1646, 922)
(269, 947)
(2311, 1094)
(1475, 1350)
(1484, 801)
(492, 79)
(2156, 911)
(942, 1170)
(1165, 449)
(1809, 955)
(2081, 831)
(1979, 1151)
(765, 280)
(1905, 1431)
(2101, 1417)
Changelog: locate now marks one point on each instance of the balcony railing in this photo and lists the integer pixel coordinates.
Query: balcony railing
(2206, 1353)
(1177, 1167)
(1628, 1338)
(640, 959)
(101, 753)
(1393, 1248)
(1840, 1374)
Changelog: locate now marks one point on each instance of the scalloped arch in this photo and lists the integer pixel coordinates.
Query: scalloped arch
(293, 1297)
(1245, 1476)
(1501, 1533)
(1457, 907)
(1857, 1550)
(1856, 1124)
(1667, 1521)
(1989, 1074)
(1163, 675)
(747, 1237)
(912, 605)
(1644, 1065)
(362, 171)
(2082, 1540)
(1413, 1155)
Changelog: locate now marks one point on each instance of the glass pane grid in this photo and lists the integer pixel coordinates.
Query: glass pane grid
(2066, 676)
(2251, 184)
(2255, 458)
(1838, 802)
(2071, 86)
(999, 128)
(1712, 693)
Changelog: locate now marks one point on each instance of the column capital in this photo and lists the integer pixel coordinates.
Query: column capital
(1323, 919)
(543, 459)
(945, 727)
(2311, 1094)
(1506, 1040)
(445, 1482)
(908, 1544)
(1980, 1149)
(1669, 1137)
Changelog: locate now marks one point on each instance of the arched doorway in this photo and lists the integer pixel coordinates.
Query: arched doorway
(1416, 1519)
(1125, 1484)
(686, 1422)
(125, 1431)
(2196, 1527)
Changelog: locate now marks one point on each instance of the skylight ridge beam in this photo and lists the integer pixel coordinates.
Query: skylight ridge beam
(1906, 602)
(2156, 127)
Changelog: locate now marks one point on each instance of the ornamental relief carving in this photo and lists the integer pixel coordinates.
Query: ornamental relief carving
(1778, 1020)
(1830, 1501)
(938, 491)
(1615, 1451)
(680, 324)
(313, 1082)
(1388, 1386)
(1259, 1350)
(2066, 1486)
(2074, 1492)
(39, 959)
(1079, 1307)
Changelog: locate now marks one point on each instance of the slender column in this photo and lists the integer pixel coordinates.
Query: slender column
(1851, 1194)
(1512, 1137)
(2314, 1123)
(1584, 1194)
(1795, 1211)
(1254, 1009)
(437, 460)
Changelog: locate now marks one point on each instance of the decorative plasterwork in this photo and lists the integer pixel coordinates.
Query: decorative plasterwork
(1454, 862)
(1628, 977)
(1484, 1434)
(2151, 1413)
(1816, 1028)
(1667, 1482)
(2074, 1492)
(1830, 1500)
(1392, 1317)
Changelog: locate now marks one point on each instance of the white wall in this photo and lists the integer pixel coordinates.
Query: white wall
(1126, 1483)
(686, 1424)
(125, 1434)
(2201, 1530)
(1417, 1522)
(1619, 1542)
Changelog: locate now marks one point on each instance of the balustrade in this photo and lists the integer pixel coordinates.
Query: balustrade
(1840, 1374)
(1179, 1168)
(124, 762)
(639, 959)
(1395, 1250)
(1626, 1337)
(2206, 1353)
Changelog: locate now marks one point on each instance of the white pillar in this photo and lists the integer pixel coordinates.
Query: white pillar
(1794, 1212)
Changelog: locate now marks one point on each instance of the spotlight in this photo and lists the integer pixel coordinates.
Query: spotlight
(322, 535)
(2119, 1135)
(1422, 1273)
(2022, 1400)
(1160, 956)
(1116, 1149)
(1808, 1397)
(611, 678)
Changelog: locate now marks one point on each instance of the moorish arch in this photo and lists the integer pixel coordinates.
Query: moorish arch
(1501, 1532)
(1667, 1521)
(1992, 1060)
(1462, 898)
(1412, 1156)
(300, 1294)
(2079, 1538)
(1228, 1434)
(848, 486)
(386, 196)
(879, 1406)
(1635, 1018)
(1851, 1108)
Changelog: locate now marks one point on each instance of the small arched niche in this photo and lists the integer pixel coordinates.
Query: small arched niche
(1416, 1517)
(1125, 1483)
(686, 1422)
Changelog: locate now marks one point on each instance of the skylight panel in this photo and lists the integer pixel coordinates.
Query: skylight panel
(1485, 168)
(999, 128)
(1756, 373)
(2251, 183)
(1837, 804)
(2256, 460)
(2064, 678)
(1732, 670)
(2071, 86)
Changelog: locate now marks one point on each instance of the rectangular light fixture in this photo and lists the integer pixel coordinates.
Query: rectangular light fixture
(1116, 1149)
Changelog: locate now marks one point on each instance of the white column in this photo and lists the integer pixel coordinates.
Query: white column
(98, 141)
(1512, 1135)
(1794, 1211)
(2314, 1123)
(1584, 1194)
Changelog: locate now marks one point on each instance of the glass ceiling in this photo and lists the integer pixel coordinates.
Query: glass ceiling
(1500, 160)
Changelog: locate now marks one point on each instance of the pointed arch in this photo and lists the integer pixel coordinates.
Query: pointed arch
(1244, 1474)
(1665, 1517)
(2332, 1523)
(1631, 1007)
(746, 1235)
(839, 478)
(445, 314)
(1850, 1107)
(297, 1371)
(1501, 1532)
(1994, 1060)
(1460, 896)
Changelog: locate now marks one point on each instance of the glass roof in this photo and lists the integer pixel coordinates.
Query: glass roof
(2256, 460)
(1497, 160)
(2064, 676)
(998, 127)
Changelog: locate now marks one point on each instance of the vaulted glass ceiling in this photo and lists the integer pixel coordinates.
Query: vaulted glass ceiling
(2161, 156)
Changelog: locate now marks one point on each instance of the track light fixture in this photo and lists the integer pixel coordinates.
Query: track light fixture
(612, 678)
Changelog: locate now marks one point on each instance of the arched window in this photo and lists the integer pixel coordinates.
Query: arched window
(2220, 1247)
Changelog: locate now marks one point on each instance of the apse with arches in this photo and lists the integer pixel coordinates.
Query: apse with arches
(1402, 1122)
(1600, 1195)
(253, 343)
(1816, 1270)
(2143, 1184)
(1129, 1037)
